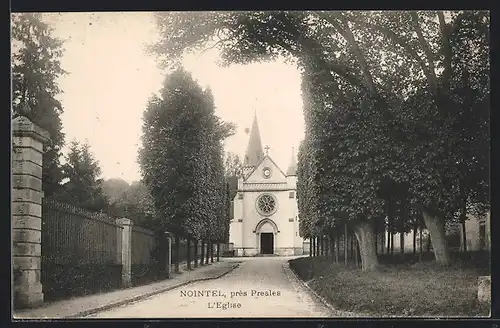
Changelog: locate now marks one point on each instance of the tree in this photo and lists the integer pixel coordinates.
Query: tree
(306, 196)
(132, 201)
(114, 188)
(136, 204)
(181, 158)
(83, 187)
(232, 164)
(169, 157)
(35, 70)
(469, 44)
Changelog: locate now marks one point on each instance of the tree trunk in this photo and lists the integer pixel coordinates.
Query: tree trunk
(332, 246)
(414, 241)
(464, 237)
(353, 247)
(421, 246)
(376, 236)
(435, 225)
(403, 220)
(211, 251)
(318, 244)
(388, 236)
(327, 246)
(310, 247)
(356, 253)
(463, 217)
(188, 254)
(382, 240)
(349, 245)
(195, 253)
(402, 243)
(161, 254)
(177, 252)
(313, 247)
(430, 72)
(392, 236)
(345, 245)
(445, 49)
(202, 251)
(218, 251)
(365, 236)
(207, 255)
(337, 246)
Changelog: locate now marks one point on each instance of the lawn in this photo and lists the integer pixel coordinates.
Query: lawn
(420, 289)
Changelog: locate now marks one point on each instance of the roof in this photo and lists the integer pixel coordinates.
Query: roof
(262, 160)
(254, 153)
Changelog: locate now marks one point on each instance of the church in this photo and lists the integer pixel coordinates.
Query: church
(265, 215)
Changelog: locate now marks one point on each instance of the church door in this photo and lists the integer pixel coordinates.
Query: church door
(267, 243)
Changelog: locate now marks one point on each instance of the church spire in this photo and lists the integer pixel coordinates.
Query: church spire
(254, 153)
(292, 168)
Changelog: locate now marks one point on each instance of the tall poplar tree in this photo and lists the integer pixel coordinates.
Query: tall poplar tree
(181, 157)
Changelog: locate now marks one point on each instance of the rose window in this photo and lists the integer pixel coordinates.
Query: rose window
(266, 204)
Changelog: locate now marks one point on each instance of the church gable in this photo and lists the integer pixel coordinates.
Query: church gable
(266, 172)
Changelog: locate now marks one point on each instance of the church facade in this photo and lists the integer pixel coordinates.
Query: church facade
(265, 215)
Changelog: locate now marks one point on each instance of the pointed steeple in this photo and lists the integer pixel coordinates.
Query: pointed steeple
(292, 168)
(254, 153)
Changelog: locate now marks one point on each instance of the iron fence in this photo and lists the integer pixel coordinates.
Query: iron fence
(81, 251)
(144, 263)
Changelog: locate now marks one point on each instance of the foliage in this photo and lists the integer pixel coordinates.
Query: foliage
(114, 188)
(232, 164)
(83, 187)
(35, 69)
(306, 195)
(136, 204)
(182, 159)
(469, 84)
(132, 201)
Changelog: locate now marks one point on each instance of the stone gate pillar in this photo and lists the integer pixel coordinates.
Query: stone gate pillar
(126, 250)
(28, 141)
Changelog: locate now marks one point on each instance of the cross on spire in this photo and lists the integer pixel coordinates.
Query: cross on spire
(267, 150)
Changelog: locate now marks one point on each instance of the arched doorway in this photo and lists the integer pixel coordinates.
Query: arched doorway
(266, 236)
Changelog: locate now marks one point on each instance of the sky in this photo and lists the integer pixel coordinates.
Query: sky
(110, 79)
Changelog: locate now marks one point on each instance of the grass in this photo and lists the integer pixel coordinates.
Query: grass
(419, 289)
